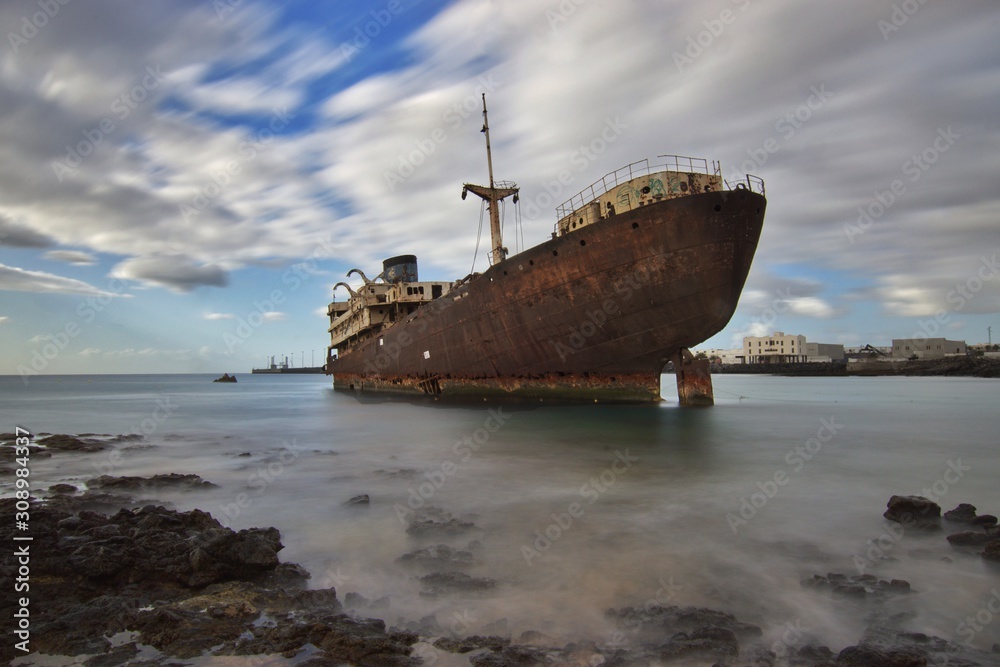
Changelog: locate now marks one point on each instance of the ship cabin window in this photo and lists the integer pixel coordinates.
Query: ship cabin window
(435, 291)
(371, 290)
(409, 291)
(421, 288)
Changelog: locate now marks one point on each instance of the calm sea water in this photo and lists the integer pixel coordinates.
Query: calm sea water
(577, 508)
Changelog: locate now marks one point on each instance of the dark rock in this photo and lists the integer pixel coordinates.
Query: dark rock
(992, 550)
(366, 642)
(363, 499)
(968, 539)
(985, 520)
(867, 656)
(170, 480)
(472, 643)
(62, 488)
(963, 513)
(858, 585)
(439, 556)
(434, 527)
(708, 643)
(535, 638)
(116, 656)
(441, 583)
(69, 443)
(511, 656)
(226, 377)
(914, 511)
(656, 623)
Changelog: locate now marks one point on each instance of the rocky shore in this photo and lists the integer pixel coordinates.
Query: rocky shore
(120, 581)
(950, 367)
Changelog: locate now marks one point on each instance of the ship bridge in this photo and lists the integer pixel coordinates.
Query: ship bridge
(640, 184)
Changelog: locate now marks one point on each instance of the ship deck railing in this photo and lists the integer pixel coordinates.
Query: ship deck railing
(610, 181)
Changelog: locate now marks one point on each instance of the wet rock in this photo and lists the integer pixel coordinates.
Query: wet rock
(963, 513)
(62, 488)
(473, 643)
(867, 656)
(984, 520)
(860, 586)
(442, 583)
(366, 642)
(69, 443)
(708, 643)
(363, 499)
(116, 656)
(511, 656)
(992, 551)
(170, 480)
(431, 527)
(535, 638)
(914, 511)
(439, 556)
(656, 623)
(968, 539)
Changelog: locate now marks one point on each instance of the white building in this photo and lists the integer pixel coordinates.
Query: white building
(781, 348)
(778, 348)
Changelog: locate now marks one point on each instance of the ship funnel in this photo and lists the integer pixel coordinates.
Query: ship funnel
(401, 269)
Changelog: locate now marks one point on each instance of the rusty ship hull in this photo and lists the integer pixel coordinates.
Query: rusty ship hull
(596, 313)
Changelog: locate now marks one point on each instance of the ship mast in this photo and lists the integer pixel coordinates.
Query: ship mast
(494, 194)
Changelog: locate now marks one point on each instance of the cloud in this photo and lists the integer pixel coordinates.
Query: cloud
(175, 272)
(3, 319)
(71, 257)
(20, 280)
(89, 352)
(274, 316)
(321, 311)
(219, 316)
(19, 236)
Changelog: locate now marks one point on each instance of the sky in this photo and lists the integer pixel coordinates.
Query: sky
(182, 184)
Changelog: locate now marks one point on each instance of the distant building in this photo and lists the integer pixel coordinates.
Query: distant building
(777, 348)
(734, 356)
(781, 348)
(824, 352)
(926, 348)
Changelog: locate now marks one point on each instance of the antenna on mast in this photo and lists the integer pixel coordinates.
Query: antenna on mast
(493, 195)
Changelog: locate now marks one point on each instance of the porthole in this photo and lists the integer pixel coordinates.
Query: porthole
(531, 262)
(635, 225)
(718, 207)
(582, 242)
(555, 253)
